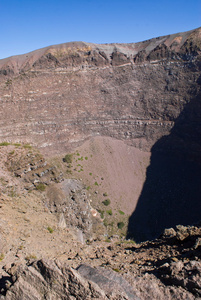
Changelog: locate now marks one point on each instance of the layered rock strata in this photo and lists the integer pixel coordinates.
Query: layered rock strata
(61, 95)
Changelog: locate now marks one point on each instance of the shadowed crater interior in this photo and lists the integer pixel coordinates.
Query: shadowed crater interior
(171, 192)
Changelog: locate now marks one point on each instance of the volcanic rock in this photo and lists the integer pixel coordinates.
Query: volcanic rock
(59, 96)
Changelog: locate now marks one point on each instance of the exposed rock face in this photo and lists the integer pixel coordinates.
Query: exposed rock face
(61, 95)
(70, 202)
(167, 268)
(108, 280)
(48, 280)
(54, 280)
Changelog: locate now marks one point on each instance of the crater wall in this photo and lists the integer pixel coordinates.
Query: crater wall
(57, 97)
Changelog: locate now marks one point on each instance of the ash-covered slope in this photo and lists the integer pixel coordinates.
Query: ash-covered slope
(59, 96)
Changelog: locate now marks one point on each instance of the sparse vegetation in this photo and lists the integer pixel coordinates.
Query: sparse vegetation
(1, 256)
(129, 242)
(105, 222)
(120, 225)
(41, 187)
(116, 270)
(50, 229)
(17, 145)
(27, 146)
(12, 152)
(30, 257)
(12, 193)
(68, 158)
(101, 212)
(88, 188)
(2, 180)
(109, 212)
(8, 82)
(4, 144)
(106, 202)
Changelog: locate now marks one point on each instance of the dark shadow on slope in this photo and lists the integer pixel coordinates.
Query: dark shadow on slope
(171, 194)
(5, 281)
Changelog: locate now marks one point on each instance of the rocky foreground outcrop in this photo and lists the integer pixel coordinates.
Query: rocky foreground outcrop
(167, 268)
(53, 280)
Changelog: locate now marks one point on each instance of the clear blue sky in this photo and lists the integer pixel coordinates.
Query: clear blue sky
(32, 24)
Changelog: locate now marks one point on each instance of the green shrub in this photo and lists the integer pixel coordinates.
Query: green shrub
(27, 146)
(88, 188)
(120, 225)
(30, 257)
(40, 187)
(90, 174)
(129, 242)
(12, 152)
(1, 256)
(17, 145)
(69, 172)
(121, 212)
(105, 222)
(116, 270)
(105, 194)
(86, 158)
(50, 229)
(109, 212)
(4, 144)
(106, 202)
(101, 212)
(96, 183)
(68, 158)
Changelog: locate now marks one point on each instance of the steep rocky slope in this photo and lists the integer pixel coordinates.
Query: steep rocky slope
(62, 95)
